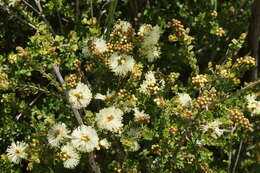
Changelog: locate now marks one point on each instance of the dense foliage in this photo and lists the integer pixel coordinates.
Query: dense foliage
(127, 86)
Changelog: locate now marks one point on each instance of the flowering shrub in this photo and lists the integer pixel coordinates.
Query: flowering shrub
(132, 97)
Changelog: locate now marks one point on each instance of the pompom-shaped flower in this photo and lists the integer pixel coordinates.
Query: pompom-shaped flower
(104, 143)
(100, 45)
(214, 128)
(80, 97)
(110, 119)
(57, 134)
(184, 99)
(121, 64)
(140, 116)
(16, 152)
(84, 138)
(252, 104)
(69, 156)
(122, 26)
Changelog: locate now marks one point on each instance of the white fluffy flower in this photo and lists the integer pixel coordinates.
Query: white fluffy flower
(184, 99)
(213, 127)
(110, 119)
(152, 53)
(100, 44)
(69, 156)
(57, 134)
(135, 146)
(144, 29)
(150, 85)
(121, 64)
(252, 104)
(16, 152)
(140, 115)
(84, 138)
(123, 26)
(80, 97)
(105, 97)
(152, 37)
(149, 46)
(104, 143)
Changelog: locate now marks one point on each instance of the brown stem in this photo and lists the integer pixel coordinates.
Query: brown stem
(238, 154)
(92, 162)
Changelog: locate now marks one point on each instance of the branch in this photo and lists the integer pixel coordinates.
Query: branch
(238, 154)
(38, 4)
(230, 148)
(77, 12)
(92, 162)
(9, 11)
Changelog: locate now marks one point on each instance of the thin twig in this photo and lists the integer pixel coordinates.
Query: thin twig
(77, 12)
(38, 4)
(230, 148)
(238, 154)
(59, 18)
(9, 11)
(92, 162)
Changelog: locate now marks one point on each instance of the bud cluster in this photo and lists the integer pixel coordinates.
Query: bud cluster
(247, 60)
(172, 77)
(239, 117)
(180, 32)
(203, 101)
(200, 80)
(4, 84)
(71, 81)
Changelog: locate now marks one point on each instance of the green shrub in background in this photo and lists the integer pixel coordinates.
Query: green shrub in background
(127, 86)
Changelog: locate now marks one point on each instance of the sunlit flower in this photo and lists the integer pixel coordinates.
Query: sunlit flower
(80, 97)
(16, 152)
(105, 97)
(184, 99)
(140, 115)
(57, 134)
(252, 104)
(100, 44)
(121, 64)
(150, 85)
(104, 143)
(213, 127)
(123, 26)
(69, 156)
(110, 119)
(84, 138)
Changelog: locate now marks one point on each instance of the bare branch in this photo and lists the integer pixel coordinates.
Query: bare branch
(9, 11)
(238, 154)
(92, 162)
(38, 4)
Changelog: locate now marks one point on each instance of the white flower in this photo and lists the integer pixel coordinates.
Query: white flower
(151, 37)
(110, 119)
(214, 127)
(16, 152)
(150, 85)
(252, 104)
(144, 29)
(84, 138)
(104, 143)
(152, 53)
(184, 99)
(100, 44)
(121, 64)
(105, 97)
(123, 26)
(69, 156)
(135, 146)
(140, 116)
(150, 78)
(80, 97)
(57, 134)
